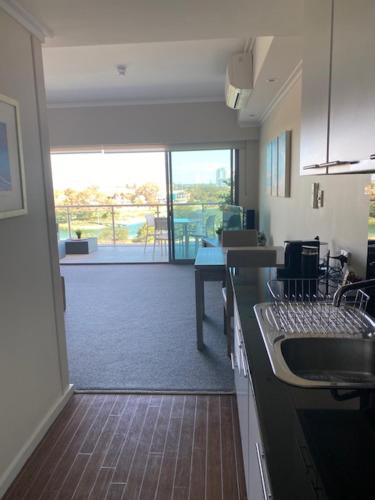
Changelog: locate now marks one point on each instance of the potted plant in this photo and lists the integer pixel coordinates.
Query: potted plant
(262, 239)
(78, 233)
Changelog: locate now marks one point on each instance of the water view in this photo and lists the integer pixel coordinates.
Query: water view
(116, 197)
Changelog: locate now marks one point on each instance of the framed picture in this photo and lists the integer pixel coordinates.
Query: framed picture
(12, 174)
(283, 164)
(269, 169)
(275, 174)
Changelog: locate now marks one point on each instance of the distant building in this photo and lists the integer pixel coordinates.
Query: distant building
(220, 176)
(180, 196)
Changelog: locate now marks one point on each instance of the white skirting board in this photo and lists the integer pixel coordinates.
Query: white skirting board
(16, 465)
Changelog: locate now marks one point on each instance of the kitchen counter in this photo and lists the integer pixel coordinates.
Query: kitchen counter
(315, 446)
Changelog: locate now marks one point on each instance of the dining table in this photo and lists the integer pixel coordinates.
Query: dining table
(210, 265)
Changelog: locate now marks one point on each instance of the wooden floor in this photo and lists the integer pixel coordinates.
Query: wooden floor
(138, 447)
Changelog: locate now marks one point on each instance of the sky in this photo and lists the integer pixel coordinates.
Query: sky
(112, 170)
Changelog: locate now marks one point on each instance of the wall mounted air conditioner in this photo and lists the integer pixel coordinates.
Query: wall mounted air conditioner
(239, 80)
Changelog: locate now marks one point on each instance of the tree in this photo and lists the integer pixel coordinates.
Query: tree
(208, 193)
(146, 193)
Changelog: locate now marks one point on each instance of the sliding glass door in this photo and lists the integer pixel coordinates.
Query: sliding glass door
(200, 183)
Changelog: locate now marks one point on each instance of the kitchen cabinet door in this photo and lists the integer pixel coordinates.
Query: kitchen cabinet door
(242, 391)
(352, 123)
(315, 86)
(259, 485)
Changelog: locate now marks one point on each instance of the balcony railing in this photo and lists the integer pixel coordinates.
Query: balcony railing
(126, 223)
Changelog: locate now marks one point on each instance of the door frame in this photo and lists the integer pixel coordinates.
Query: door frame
(234, 188)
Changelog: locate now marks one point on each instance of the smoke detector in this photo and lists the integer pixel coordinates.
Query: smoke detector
(121, 69)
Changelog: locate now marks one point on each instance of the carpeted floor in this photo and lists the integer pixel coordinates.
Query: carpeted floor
(133, 327)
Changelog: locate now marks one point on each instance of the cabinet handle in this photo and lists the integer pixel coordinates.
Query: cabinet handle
(310, 167)
(243, 365)
(238, 339)
(252, 388)
(232, 361)
(266, 495)
(337, 163)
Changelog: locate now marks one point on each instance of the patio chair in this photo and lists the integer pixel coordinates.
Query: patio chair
(161, 236)
(202, 232)
(150, 228)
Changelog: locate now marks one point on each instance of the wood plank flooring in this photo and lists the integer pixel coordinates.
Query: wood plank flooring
(138, 447)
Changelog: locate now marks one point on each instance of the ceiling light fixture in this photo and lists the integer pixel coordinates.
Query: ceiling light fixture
(121, 69)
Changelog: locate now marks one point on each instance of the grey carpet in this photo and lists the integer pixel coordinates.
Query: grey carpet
(133, 327)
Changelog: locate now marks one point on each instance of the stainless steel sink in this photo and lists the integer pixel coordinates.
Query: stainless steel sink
(334, 360)
(319, 360)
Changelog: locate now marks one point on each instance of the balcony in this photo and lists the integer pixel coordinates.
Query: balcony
(121, 231)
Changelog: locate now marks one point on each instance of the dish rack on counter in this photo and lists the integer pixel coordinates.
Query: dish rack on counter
(302, 306)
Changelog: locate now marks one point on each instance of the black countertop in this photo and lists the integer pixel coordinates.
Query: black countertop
(315, 446)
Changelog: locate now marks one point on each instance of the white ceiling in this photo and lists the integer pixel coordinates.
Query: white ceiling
(166, 71)
(174, 50)
(97, 22)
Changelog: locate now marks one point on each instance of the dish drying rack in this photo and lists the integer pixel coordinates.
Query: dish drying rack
(301, 307)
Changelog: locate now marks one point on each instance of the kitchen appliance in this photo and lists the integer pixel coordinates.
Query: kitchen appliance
(293, 259)
(250, 219)
(301, 262)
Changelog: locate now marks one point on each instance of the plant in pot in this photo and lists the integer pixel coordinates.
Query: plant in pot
(262, 239)
(78, 233)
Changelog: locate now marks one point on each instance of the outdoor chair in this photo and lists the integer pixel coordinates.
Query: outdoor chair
(208, 229)
(150, 228)
(161, 236)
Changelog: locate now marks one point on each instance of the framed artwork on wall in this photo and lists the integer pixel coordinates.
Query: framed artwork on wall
(275, 174)
(269, 169)
(12, 174)
(278, 164)
(283, 164)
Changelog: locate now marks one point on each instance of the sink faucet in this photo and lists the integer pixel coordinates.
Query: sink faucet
(358, 285)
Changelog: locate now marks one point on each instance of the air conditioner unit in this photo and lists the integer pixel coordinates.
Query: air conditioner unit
(239, 80)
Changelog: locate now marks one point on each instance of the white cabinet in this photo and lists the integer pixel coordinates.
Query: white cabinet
(352, 121)
(316, 83)
(242, 390)
(259, 484)
(338, 87)
(255, 466)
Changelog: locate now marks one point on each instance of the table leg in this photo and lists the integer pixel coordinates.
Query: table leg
(203, 301)
(199, 308)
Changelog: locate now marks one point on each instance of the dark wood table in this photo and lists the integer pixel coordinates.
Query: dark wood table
(209, 266)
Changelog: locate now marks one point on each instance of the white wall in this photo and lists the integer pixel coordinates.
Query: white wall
(343, 220)
(146, 124)
(33, 369)
(160, 124)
